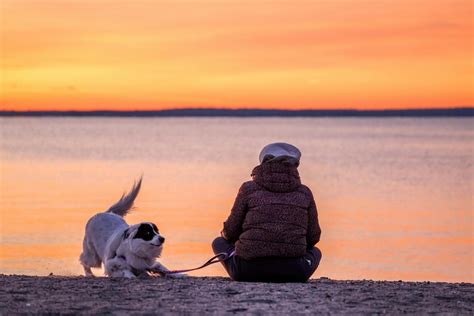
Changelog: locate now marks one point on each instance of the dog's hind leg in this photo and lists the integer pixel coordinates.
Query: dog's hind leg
(88, 271)
(87, 262)
(89, 258)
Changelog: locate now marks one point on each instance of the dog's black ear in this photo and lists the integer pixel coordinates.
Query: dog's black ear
(126, 233)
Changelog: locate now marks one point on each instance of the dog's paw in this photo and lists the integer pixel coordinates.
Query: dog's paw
(176, 275)
(145, 275)
(122, 274)
(129, 275)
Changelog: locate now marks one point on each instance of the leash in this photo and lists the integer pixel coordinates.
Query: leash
(220, 257)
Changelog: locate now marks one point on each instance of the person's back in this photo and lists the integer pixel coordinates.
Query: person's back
(273, 223)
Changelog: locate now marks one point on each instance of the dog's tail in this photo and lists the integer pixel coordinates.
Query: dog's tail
(125, 204)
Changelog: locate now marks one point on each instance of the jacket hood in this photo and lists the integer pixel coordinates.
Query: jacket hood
(277, 176)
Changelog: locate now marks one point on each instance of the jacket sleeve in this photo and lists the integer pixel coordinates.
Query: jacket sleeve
(233, 224)
(314, 231)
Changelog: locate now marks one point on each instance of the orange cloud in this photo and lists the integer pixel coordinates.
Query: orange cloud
(161, 54)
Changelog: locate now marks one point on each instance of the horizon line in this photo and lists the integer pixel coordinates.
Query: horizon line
(247, 112)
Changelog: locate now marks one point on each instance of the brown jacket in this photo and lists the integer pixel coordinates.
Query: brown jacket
(274, 215)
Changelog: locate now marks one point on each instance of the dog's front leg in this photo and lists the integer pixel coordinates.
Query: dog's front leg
(118, 268)
(159, 268)
(164, 271)
(124, 274)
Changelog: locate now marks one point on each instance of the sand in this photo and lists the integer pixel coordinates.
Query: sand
(56, 294)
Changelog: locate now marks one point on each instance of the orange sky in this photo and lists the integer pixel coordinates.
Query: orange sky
(136, 54)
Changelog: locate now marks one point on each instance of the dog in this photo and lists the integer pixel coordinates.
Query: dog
(125, 251)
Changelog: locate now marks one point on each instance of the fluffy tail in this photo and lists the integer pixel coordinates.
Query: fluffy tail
(125, 204)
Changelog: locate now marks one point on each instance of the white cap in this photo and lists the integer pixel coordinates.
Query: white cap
(280, 150)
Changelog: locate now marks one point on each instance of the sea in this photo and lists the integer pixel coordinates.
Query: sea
(394, 195)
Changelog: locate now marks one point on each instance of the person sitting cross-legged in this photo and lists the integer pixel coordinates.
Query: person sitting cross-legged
(273, 226)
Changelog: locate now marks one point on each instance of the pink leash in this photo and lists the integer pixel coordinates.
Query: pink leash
(220, 257)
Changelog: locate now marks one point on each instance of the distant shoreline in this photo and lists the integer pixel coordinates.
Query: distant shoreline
(445, 112)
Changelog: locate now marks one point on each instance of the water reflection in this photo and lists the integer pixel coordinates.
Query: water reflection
(394, 195)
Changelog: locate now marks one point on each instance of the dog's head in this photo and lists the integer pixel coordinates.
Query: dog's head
(144, 240)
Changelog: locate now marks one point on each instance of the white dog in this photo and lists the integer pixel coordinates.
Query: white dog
(126, 251)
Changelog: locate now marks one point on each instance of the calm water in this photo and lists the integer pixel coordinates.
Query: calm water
(394, 195)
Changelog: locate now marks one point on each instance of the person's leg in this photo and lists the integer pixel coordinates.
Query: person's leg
(270, 269)
(311, 259)
(220, 245)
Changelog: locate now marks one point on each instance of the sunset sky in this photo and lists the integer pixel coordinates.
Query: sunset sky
(132, 54)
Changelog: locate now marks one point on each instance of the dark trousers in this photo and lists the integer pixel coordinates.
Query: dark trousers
(269, 269)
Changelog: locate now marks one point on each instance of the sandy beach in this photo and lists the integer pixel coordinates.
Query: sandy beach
(59, 294)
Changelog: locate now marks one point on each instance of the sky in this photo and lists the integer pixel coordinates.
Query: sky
(143, 55)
